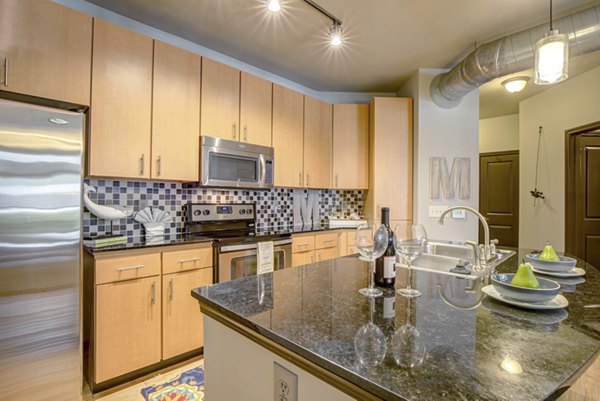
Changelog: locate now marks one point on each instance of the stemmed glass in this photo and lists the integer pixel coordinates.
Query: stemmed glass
(371, 245)
(408, 346)
(409, 241)
(369, 342)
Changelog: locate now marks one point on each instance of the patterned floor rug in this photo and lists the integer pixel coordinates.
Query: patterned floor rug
(188, 386)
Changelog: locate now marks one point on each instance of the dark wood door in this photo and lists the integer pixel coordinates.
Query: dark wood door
(499, 196)
(587, 198)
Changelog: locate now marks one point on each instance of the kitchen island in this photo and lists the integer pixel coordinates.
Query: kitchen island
(307, 319)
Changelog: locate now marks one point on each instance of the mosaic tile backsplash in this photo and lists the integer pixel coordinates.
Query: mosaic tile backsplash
(274, 207)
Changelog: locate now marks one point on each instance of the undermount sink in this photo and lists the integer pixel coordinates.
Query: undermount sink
(443, 257)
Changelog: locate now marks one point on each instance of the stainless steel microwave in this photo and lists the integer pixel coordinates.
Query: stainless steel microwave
(235, 164)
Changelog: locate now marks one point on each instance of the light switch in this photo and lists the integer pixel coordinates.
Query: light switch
(459, 214)
(436, 210)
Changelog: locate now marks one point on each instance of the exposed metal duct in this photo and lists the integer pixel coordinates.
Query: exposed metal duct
(512, 54)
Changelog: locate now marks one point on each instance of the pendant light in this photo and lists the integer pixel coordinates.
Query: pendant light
(551, 57)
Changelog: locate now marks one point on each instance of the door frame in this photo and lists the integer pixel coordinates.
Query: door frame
(571, 136)
(501, 153)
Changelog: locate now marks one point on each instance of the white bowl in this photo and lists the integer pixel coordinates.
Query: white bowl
(548, 289)
(565, 263)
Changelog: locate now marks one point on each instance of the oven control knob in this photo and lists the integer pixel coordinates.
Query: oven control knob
(249, 211)
(242, 211)
(206, 212)
(196, 212)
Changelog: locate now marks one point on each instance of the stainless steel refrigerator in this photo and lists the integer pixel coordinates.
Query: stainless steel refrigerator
(40, 252)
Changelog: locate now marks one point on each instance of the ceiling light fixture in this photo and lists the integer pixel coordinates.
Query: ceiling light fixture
(274, 6)
(335, 31)
(516, 84)
(551, 56)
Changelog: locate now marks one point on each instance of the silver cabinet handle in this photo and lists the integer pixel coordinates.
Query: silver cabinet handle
(329, 241)
(307, 180)
(120, 269)
(171, 295)
(233, 131)
(153, 295)
(182, 261)
(142, 164)
(5, 83)
(302, 245)
(312, 258)
(300, 179)
(336, 181)
(158, 166)
(245, 134)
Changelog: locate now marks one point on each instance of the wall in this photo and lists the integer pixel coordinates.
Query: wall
(449, 133)
(331, 97)
(567, 105)
(499, 134)
(273, 207)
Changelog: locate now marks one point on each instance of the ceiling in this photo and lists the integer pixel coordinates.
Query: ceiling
(385, 41)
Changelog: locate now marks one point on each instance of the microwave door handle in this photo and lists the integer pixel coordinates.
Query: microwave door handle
(263, 169)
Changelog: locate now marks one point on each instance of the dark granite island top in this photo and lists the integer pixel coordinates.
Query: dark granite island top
(492, 352)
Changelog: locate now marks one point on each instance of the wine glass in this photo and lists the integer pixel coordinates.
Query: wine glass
(369, 342)
(371, 245)
(408, 346)
(409, 241)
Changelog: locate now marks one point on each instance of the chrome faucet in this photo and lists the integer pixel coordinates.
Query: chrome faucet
(487, 250)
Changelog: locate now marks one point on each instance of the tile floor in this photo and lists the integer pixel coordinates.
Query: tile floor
(131, 391)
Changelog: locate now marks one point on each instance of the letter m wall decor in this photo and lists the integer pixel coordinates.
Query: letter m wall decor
(458, 179)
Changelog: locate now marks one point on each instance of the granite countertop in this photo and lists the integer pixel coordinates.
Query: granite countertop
(492, 352)
(144, 242)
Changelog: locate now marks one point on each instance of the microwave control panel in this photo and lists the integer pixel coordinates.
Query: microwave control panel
(269, 172)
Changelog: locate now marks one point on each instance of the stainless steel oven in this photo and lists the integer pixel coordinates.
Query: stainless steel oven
(226, 163)
(239, 260)
(232, 225)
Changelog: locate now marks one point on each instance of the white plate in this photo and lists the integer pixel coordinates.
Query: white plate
(576, 272)
(557, 302)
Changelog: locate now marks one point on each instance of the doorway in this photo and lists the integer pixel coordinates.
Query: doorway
(499, 196)
(582, 214)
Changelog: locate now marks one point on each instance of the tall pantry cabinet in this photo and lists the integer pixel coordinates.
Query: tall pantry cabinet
(390, 174)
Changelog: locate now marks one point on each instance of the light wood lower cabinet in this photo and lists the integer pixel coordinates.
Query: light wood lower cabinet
(138, 310)
(182, 325)
(127, 326)
(312, 248)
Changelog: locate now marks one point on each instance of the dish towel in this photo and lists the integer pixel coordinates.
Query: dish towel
(264, 257)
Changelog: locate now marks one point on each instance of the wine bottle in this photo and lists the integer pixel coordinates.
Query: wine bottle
(385, 270)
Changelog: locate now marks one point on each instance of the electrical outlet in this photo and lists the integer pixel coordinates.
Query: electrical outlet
(285, 384)
(436, 210)
(459, 214)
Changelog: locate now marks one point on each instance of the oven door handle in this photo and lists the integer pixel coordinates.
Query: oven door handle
(247, 247)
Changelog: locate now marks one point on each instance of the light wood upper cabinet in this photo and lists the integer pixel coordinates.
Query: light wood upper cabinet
(175, 114)
(391, 150)
(288, 136)
(121, 103)
(183, 326)
(220, 101)
(47, 50)
(317, 143)
(128, 323)
(351, 146)
(256, 100)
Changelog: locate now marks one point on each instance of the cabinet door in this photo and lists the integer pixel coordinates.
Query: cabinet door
(303, 258)
(175, 114)
(127, 326)
(220, 101)
(183, 328)
(47, 49)
(255, 110)
(288, 136)
(391, 159)
(317, 143)
(121, 103)
(326, 254)
(351, 146)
